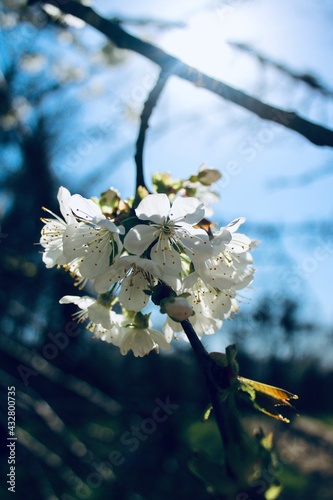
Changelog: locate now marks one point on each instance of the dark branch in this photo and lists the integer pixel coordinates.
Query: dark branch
(309, 80)
(315, 133)
(207, 366)
(144, 119)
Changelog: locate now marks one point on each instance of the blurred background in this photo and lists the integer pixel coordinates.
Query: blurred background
(69, 115)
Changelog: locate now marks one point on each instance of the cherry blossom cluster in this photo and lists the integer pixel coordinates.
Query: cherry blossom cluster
(158, 248)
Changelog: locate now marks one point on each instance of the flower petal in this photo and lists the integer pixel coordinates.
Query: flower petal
(166, 257)
(195, 242)
(97, 258)
(82, 302)
(189, 210)
(108, 224)
(63, 198)
(84, 208)
(132, 295)
(139, 238)
(154, 207)
(100, 315)
(113, 274)
(204, 325)
(239, 243)
(215, 273)
(139, 341)
(142, 341)
(234, 225)
(76, 238)
(113, 335)
(171, 327)
(160, 339)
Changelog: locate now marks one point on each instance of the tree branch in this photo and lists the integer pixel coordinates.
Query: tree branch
(207, 365)
(306, 78)
(144, 119)
(317, 134)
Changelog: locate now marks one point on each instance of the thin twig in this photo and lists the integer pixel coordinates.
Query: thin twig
(317, 134)
(306, 78)
(144, 119)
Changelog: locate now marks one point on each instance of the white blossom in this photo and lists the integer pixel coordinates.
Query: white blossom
(142, 340)
(170, 230)
(193, 274)
(95, 240)
(228, 267)
(210, 308)
(102, 321)
(135, 275)
(53, 231)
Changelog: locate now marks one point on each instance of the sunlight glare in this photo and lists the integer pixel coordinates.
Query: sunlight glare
(204, 45)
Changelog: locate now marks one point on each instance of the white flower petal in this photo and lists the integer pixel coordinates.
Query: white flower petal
(178, 308)
(132, 295)
(139, 238)
(142, 341)
(154, 207)
(52, 233)
(99, 314)
(221, 240)
(138, 341)
(171, 327)
(195, 242)
(167, 258)
(203, 325)
(63, 198)
(234, 225)
(84, 208)
(52, 241)
(219, 305)
(215, 273)
(54, 257)
(160, 339)
(97, 259)
(108, 224)
(113, 274)
(76, 238)
(189, 210)
(244, 280)
(82, 302)
(113, 335)
(239, 243)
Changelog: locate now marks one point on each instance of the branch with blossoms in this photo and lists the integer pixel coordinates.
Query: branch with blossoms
(158, 252)
(161, 249)
(165, 252)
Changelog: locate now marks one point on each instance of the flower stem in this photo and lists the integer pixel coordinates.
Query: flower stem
(207, 364)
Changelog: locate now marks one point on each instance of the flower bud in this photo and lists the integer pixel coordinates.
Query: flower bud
(178, 309)
(207, 176)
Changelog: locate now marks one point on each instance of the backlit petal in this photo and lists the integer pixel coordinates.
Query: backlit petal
(132, 295)
(63, 198)
(139, 238)
(189, 210)
(166, 257)
(97, 259)
(84, 208)
(154, 207)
